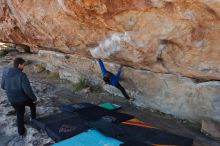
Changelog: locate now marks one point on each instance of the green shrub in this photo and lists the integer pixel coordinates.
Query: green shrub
(96, 88)
(5, 51)
(52, 74)
(83, 83)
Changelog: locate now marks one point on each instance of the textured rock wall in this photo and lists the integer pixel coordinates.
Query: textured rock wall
(167, 36)
(171, 94)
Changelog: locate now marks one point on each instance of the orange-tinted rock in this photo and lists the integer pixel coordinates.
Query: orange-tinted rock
(170, 36)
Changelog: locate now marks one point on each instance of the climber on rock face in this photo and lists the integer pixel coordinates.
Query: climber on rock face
(19, 92)
(111, 79)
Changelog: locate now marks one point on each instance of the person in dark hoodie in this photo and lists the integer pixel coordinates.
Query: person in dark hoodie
(19, 92)
(111, 79)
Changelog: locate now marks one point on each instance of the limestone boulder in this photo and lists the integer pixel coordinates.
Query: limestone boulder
(182, 97)
(167, 36)
(212, 128)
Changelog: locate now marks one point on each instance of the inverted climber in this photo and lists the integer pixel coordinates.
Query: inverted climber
(112, 79)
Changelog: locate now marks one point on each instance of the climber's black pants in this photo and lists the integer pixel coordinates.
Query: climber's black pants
(122, 90)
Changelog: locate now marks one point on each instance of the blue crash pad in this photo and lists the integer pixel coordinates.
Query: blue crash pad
(89, 138)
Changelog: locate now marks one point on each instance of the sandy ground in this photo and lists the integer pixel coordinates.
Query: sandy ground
(52, 92)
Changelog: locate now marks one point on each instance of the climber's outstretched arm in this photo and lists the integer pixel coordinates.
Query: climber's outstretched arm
(102, 67)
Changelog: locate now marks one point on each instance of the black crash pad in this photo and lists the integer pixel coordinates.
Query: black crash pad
(75, 107)
(130, 134)
(63, 129)
(134, 143)
(41, 122)
(96, 113)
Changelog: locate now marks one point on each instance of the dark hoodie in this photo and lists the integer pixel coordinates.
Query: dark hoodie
(17, 86)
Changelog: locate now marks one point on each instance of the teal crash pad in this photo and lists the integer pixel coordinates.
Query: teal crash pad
(110, 106)
(89, 138)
